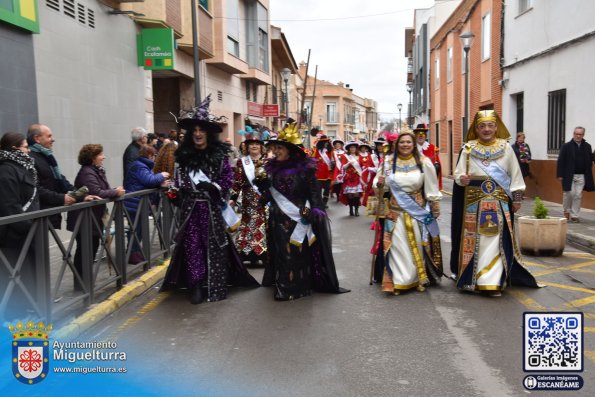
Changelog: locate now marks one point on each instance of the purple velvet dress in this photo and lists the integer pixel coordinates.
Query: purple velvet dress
(204, 254)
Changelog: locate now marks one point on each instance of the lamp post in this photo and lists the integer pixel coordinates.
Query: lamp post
(400, 106)
(285, 74)
(409, 89)
(466, 41)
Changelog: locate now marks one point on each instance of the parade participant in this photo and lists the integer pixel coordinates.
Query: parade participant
(488, 190)
(251, 239)
(204, 259)
(428, 149)
(337, 176)
(325, 164)
(413, 258)
(366, 161)
(352, 189)
(300, 252)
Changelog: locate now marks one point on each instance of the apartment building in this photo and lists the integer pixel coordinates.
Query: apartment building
(336, 110)
(482, 18)
(93, 69)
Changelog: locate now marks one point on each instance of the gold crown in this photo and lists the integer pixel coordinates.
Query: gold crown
(290, 134)
(31, 330)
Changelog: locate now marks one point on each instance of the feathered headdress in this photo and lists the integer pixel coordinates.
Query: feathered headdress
(290, 138)
(251, 135)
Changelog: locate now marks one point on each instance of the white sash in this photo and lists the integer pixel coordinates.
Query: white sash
(375, 160)
(231, 218)
(301, 230)
(355, 164)
(250, 171)
(325, 158)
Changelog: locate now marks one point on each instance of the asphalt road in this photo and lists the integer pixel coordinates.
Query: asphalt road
(364, 343)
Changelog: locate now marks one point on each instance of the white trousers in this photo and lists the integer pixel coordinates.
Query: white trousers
(571, 201)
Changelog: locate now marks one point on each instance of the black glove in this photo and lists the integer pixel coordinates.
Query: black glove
(211, 190)
(263, 184)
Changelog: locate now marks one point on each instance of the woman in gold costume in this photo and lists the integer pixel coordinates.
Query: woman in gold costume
(411, 236)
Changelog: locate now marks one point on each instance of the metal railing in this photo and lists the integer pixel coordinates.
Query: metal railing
(33, 277)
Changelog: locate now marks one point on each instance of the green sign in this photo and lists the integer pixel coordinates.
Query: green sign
(21, 13)
(156, 49)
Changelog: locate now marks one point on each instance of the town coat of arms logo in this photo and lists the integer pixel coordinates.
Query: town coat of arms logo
(30, 351)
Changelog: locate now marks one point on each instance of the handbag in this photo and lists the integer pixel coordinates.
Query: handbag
(377, 208)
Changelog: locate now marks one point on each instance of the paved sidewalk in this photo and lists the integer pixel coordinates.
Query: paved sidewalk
(580, 234)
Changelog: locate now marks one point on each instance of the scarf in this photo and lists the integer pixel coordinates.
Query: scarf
(27, 163)
(51, 159)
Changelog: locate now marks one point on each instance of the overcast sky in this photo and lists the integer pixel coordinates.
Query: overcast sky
(361, 43)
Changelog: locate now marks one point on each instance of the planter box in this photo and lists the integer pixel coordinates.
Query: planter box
(542, 237)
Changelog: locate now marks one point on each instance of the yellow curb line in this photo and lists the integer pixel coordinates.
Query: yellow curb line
(115, 301)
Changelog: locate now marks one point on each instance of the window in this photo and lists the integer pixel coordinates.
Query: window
(486, 34)
(308, 111)
(437, 74)
(204, 4)
(519, 111)
(525, 5)
(449, 64)
(556, 120)
(247, 90)
(233, 28)
(331, 112)
(255, 93)
(257, 36)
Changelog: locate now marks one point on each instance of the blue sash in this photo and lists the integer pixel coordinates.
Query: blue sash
(496, 173)
(417, 212)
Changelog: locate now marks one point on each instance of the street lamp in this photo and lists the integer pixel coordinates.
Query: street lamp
(400, 106)
(409, 89)
(285, 74)
(466, 41)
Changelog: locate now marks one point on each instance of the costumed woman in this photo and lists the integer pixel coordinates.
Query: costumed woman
(251, 239)
(325, 164)
(300, 255)
(428, 149)
(413, 258)
(204, 260)
(337, 176)
(366, 161)
(488, 190)
(352, 189)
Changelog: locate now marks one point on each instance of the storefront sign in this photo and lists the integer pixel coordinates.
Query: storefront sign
(270, 110)
(262, 110)
(156, 49)
(21, 13)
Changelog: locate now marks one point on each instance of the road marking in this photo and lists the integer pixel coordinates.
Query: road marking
(564, 286)
(581, 302)
(538, 265)
(590, 354)
(143, 311)
(589, 329)
(546, 272)
(468, 358)
(526, 301)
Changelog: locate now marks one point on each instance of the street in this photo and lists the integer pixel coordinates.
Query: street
(439, 342)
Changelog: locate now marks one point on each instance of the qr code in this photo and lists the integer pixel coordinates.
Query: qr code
(553, 342)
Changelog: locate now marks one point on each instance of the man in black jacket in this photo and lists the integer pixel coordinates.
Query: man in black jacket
(574, 171)
(53, 186)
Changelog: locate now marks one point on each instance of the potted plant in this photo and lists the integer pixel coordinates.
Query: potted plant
(540, 234)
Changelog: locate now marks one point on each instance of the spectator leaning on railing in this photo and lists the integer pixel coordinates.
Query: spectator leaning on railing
(139, 137)
(140, 176)
(18, 194)
(91, 175)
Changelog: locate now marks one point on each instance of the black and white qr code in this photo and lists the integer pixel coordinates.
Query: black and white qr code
(553, 342)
